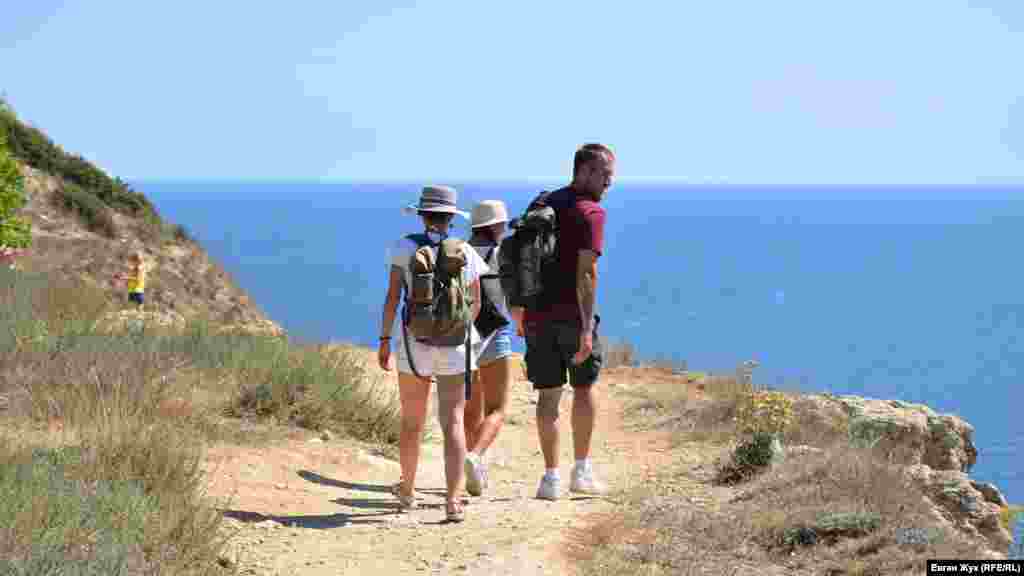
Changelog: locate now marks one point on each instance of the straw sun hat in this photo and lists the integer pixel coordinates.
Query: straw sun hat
(489, 212)
(437, 199)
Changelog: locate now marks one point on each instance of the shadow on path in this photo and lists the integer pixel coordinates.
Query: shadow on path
(378, 488)
(315, 521)
(368, 504)
(325, 481)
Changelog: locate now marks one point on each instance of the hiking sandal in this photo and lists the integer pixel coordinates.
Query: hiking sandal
(454, 512)
(405, 502)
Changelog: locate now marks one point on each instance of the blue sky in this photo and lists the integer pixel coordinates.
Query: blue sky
(785, 92)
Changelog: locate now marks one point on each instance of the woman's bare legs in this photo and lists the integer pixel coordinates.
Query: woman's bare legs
(495, 381)
(414, 395)
(474, 412)
(451, 393)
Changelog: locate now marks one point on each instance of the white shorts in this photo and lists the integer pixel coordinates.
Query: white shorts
(434, 361)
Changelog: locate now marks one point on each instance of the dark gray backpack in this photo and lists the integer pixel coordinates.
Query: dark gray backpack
(529, 256)
(490, 318)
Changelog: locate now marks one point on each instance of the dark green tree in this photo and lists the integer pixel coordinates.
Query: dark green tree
(15, 232)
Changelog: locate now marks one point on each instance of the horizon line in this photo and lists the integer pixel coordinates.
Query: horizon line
(650, 181)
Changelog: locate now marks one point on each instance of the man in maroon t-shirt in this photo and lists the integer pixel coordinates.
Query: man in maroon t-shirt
(562, 337)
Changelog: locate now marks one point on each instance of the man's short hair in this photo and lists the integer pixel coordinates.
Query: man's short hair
(588, 153)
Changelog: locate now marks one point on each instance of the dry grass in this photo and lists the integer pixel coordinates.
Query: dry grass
(840, 510)
(118, 490)
(619, 353)
(105, 474)
(673, 407)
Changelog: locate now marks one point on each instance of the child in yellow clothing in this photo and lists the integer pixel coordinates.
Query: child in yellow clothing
(136, 278)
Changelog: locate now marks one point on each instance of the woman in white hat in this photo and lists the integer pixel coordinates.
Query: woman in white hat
(447, 365)
(486, 407)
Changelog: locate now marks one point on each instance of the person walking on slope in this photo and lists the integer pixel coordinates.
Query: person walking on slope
(488, 402)
(422, 358)
(135, 278)
(562, 334)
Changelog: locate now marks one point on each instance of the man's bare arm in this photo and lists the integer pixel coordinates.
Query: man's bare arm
(586, 287)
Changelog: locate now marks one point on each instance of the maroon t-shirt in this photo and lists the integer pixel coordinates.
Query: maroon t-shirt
(581, 227)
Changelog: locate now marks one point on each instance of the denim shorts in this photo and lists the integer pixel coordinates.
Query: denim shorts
(499, 346)
(136, 297)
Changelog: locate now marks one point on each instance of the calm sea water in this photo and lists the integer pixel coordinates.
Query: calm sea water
(915, 294)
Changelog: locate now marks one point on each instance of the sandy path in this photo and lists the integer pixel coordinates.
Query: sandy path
(308, 507)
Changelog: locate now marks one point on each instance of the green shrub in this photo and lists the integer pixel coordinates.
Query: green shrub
(757, 452)
(847, 524)
(832, 527)
(750, 457)
(14, 231)
(89, 209)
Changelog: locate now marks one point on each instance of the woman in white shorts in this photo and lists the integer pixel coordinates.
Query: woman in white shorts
(445, 364)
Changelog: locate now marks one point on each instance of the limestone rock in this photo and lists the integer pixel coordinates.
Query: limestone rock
(802, 450)
(134, 319)
(910, 434)
(991, 493)
(960, 503)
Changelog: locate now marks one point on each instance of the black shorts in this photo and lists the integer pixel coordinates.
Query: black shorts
(550, 347)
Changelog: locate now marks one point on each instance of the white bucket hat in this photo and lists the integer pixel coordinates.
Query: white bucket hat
(437, 199)
(489, 212)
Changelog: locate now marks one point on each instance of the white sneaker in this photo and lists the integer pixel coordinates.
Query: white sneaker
(583, 482)
(475, 475)
(548, 489)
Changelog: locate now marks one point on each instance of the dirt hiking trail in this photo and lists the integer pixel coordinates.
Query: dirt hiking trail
(304, 506)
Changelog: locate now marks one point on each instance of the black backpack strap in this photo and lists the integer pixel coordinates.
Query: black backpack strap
(468, 351)
(540, 201)
(421, 239)
(491, 275)
(408, 351)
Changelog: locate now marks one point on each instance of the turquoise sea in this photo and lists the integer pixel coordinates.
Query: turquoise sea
(909, 293)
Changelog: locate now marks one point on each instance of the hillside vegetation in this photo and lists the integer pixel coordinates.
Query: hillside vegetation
(106, 411)
(84, 223)
(88, 187)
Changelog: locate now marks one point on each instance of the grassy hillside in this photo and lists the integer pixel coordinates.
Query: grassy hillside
(105, 410)
(85, 222)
